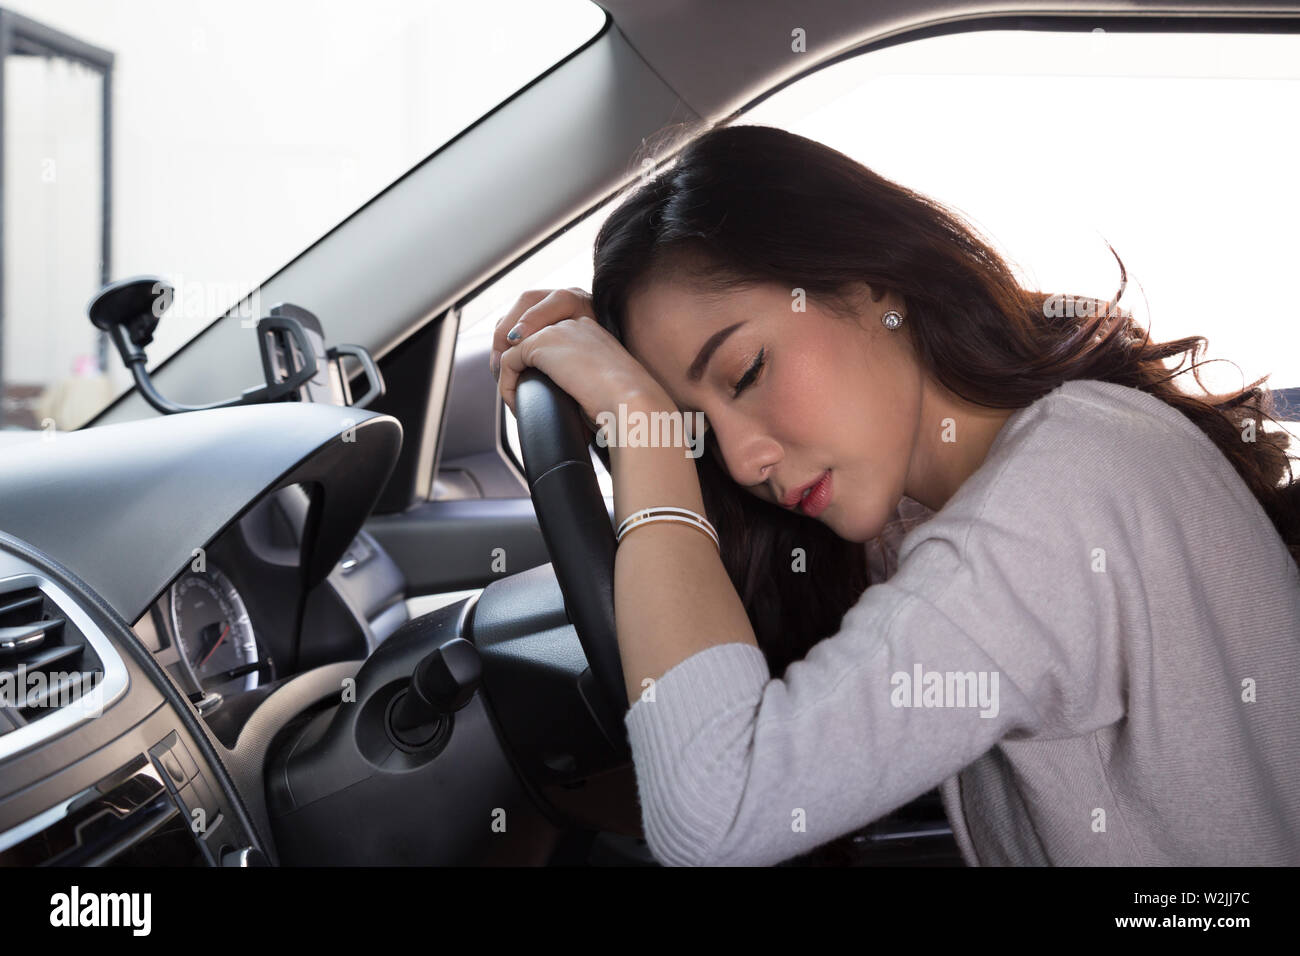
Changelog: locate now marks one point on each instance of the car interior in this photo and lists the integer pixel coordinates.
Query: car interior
(361, 614)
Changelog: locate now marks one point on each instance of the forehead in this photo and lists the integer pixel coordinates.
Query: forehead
(670, 319)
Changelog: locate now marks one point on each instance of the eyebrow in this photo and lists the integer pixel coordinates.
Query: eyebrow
(696, 371)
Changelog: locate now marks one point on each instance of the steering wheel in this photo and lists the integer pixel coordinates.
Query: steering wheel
(554, 438)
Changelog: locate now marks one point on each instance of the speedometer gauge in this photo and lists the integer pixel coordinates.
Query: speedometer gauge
(214, 636)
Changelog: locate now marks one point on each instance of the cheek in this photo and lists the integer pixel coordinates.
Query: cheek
(800, 407)
(873, 403)
(813, 376)
(810, 406)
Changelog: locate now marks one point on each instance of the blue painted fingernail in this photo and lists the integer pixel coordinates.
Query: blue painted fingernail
(513, 334)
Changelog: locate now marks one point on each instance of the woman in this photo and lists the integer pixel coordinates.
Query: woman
(1090, 643)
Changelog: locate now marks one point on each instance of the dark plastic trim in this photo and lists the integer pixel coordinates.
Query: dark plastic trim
(123, 638)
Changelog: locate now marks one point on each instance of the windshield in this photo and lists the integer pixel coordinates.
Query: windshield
(230, 135)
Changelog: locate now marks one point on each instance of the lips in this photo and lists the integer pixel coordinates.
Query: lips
(792, 498)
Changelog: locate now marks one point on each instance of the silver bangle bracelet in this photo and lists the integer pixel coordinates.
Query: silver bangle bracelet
(682, 515)
(663, 509)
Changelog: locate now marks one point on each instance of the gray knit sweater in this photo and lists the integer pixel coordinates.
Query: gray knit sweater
(1093, 648)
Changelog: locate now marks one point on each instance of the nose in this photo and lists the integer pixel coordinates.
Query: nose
(749, 453)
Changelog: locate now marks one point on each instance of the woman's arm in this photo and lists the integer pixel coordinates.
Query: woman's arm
(672, 595)
(993, 624)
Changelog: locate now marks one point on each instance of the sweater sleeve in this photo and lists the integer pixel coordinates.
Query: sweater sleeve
(995, 625)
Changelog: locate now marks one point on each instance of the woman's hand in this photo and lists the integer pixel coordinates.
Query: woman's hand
(557, 334)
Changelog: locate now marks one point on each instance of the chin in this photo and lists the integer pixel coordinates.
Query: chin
(859, 532)
(862, 528)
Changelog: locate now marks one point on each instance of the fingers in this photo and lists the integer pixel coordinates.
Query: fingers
(533, 310)
(522, 304)
(525, 301)
(512, 363)
(527, 352)
(554, 307)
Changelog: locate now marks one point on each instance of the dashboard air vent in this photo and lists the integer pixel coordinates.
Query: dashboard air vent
(45, 662)
(57, 669)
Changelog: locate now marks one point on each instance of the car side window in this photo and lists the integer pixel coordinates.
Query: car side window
(563, 262)
(1174, 147)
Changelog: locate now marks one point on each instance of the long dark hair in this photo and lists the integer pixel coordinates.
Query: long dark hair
(751, 204)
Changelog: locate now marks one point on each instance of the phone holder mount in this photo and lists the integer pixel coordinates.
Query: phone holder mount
(295, 362)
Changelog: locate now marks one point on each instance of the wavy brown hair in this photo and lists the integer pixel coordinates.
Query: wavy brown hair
(741, 205)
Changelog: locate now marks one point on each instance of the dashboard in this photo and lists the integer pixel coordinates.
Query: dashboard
(180, 586)
(210, 634)
(202, 632)
(247, 647)
(238, 622)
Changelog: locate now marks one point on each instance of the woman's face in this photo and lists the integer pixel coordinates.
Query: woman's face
(829, 394)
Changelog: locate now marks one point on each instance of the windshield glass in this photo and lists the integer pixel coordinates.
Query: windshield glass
(231, 134)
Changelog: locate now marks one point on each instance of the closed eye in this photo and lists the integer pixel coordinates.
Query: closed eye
(750, 374)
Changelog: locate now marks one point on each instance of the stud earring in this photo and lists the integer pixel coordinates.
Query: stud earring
(892, 319)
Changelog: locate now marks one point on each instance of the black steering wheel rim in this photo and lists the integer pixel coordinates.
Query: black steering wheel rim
(555, 441)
